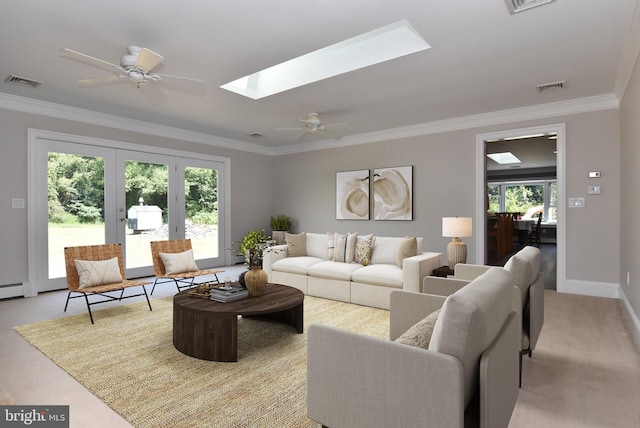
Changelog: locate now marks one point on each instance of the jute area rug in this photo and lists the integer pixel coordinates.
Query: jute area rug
(127, 359)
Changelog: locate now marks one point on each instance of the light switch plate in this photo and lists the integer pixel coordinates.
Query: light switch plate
(594, 174)
(576, 202)
(17, 203)
(593, 190)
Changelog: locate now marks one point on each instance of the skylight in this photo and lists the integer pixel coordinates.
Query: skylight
(504, 158)
(377, 46)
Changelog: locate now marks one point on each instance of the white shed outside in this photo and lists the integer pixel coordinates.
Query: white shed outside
(144, 217)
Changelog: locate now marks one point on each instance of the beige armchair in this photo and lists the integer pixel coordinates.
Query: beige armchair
(525, 267)
(467, 377)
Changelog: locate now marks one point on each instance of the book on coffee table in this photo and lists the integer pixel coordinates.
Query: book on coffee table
(228, 293)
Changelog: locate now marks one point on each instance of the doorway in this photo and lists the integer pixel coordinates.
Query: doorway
(505, 189)
(87, 192)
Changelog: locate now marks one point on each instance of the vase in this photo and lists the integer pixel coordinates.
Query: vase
(256, 281)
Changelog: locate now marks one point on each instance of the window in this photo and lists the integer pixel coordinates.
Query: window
(526, 198)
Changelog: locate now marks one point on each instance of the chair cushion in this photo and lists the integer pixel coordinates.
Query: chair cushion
(296, 244)
(299, 265)
(383, 275)
(364, 246)
(525, 267)
(98, 272)
(175, 263)
(333, 270)
(420, 333)
(470, 319)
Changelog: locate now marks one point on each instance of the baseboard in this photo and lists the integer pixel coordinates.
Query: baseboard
(592, 288)
(11, 290)
(631, 318)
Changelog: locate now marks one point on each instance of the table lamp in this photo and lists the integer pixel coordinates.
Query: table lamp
(456, 228)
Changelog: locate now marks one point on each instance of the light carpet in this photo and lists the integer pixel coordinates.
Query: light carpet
(127, 359)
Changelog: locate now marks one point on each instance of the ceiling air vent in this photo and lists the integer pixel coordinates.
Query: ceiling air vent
(516, 6)
(22, 81)
(551, 86)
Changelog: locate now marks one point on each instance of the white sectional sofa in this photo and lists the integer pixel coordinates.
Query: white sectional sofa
(315, 271)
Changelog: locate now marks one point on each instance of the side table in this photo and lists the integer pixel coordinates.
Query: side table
(442, 271)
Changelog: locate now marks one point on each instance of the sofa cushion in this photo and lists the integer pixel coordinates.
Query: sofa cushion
(333, 270)
(317, 245)
(296, 244)
(385, 249)
(470, 319)
(331, 239)
(299, 265)
(408, 248)
(419, 334)
(383, 275)
(525, 267)
(364, 246)
(344, 247)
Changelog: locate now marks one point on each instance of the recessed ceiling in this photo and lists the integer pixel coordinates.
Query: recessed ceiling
(481, 61)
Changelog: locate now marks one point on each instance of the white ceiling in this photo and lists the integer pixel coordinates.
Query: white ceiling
(482, 59)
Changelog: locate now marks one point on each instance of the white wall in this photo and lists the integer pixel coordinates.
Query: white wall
(444, 185)
(630, 201)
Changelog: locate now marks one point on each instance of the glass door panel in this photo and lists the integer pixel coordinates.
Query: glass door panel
(75, 203)
(144, 207)
(201, 211)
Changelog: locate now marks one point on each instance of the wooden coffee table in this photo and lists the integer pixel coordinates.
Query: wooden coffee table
(208, 330)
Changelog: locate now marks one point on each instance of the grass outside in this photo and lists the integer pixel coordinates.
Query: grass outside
(138, 250)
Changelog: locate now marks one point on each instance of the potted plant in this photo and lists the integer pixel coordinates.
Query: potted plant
(279, 225)
(253, 245)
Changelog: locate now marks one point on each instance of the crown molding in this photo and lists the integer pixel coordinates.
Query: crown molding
(61, 111)
(541, 111)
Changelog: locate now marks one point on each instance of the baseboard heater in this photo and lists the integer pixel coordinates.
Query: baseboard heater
(8, 291)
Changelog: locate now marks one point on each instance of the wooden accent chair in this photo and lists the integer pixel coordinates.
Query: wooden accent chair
(92, 253)
(188, 277)
(534, 235)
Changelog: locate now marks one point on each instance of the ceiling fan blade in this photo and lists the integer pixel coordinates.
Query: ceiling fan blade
(179, 77)
(148, 60)
(336, 125)
(288, 129)
(153, 94)
(302, 134)
(101, 80)
(92, 60)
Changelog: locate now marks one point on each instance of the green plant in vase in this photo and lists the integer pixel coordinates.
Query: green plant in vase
(279, 225)
(253, 245)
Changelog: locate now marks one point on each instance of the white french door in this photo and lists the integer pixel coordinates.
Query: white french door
(87, 194)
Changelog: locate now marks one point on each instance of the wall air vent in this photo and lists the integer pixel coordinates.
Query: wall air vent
(22, 81)
(552, 86)
(516, 6)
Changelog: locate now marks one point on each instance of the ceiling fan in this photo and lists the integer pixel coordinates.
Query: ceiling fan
(136, 66)
(313, 126)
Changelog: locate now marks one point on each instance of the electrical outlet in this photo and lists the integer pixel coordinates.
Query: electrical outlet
(576, 202)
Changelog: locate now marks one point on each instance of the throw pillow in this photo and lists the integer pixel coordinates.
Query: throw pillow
(98, 272)
(175, 263)
(345, 247)
(364, 246)
(408, 248)
(296, 244)
(331, 237)
(420, 333)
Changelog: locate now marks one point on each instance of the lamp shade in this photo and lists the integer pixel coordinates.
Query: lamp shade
(457, 227)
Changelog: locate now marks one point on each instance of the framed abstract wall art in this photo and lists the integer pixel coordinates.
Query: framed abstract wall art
(393, 193)
(352, 195)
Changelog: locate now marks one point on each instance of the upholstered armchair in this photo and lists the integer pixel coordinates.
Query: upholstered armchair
(467, 376)
(527, 276)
